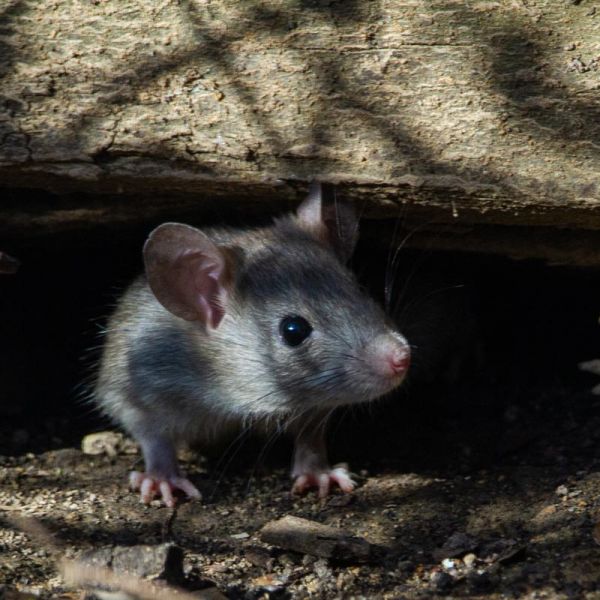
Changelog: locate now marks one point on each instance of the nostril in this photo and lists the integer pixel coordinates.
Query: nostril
(400, 359)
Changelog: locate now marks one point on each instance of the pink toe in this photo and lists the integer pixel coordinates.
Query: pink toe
(147, 490)
(344, 481)
(323, 481)
(300, 485)
(324, 484)
(166, 493)
(187, 487)
(135, 480)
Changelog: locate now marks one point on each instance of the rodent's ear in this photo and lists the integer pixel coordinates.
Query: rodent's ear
(189, 275)
(328, 219)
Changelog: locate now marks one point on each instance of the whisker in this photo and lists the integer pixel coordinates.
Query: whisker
(389, 285)
(306, 381)
(407, 307)
(388, 267)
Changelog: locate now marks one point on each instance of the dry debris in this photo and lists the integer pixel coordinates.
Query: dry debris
(110, 443)
(310, 537)
(163, 561)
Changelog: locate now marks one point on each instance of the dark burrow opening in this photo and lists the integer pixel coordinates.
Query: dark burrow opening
(496, 368)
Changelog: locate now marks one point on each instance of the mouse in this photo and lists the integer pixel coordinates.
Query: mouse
(230, 328)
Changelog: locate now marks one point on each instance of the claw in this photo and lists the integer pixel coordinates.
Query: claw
(323, 481)
(151, 485)
(342, 477)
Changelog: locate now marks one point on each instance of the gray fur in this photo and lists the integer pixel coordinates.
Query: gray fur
(163, 377)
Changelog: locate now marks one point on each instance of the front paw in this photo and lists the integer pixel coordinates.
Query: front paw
(150, 485)
(323, 480)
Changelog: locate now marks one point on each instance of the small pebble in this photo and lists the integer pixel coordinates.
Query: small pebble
(321, 568)
(259, 557)
(561, 490)
(469, 560)
(102, 442)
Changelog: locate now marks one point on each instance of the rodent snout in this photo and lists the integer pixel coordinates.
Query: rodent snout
(389, 355)
(400, 359)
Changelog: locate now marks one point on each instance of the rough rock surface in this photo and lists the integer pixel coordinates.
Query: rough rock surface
(481, 112)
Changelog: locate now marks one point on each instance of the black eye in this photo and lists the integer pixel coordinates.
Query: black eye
(294, 330)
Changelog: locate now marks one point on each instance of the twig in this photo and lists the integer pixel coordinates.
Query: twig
(78, 574)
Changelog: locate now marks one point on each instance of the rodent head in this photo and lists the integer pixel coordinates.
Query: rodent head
(287, 303)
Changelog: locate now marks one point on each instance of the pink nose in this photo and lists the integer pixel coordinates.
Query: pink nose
(399, 359)
(389, 356)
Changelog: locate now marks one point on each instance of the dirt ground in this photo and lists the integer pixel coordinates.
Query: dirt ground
(485, 488)
(466, 500)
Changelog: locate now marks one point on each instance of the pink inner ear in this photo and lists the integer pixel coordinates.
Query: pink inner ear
(309, 214)
(332, 223)
(198, 281)
(187, 273)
